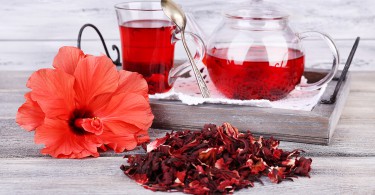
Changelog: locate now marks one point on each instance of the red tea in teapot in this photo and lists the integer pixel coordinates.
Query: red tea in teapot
(242, 73)
(147, 49)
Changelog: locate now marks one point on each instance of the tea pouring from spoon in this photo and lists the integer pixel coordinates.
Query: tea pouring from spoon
(177, 15)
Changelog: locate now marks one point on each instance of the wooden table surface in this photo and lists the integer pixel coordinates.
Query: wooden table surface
(347, 166)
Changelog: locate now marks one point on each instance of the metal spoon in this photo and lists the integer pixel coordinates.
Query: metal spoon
(175, 13)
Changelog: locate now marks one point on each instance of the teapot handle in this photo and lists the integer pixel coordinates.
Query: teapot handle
(335, 65)
(178, 71)
(194, 26)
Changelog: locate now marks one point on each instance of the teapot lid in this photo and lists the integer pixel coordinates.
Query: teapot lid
(257, 10)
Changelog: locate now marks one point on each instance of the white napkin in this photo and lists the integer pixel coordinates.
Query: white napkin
(186, 90)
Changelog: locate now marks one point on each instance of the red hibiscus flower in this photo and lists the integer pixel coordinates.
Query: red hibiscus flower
(85, 103)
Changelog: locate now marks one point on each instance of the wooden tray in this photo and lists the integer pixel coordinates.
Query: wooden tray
(315, 127)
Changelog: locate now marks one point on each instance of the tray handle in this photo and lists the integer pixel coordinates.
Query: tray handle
(342, 78)
(114, 47)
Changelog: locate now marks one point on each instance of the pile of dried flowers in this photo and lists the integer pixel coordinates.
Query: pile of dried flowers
(213, 160)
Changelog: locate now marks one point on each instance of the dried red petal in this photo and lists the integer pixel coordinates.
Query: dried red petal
(303, 166)
(140, 178)
(230, 130)
(258, 167)
(156, 143)
(213, 160)
(228, 185)
(200, 169)
(208, 157)
(276, 174)
(277, 153)
(196, 187)
(220, 164)
(180, 176)
(289, 162)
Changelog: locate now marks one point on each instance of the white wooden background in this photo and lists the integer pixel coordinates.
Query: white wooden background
(32, 31)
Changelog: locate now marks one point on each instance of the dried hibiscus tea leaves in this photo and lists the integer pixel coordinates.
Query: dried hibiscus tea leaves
(213, 160)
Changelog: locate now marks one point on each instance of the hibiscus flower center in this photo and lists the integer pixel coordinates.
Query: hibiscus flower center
(91, 125)
(83, 122)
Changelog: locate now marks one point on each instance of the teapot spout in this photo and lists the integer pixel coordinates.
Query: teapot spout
(194, 27)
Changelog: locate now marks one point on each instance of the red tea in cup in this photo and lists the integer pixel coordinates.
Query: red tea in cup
(148, 50)
(242, 73)
(148, 40)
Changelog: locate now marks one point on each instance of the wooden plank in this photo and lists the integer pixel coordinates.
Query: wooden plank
(13, 81)
(362, 82)
(33, 55)
(353, 137)
(61, 19)
(18, 143)
(10, 101)
(343, 175)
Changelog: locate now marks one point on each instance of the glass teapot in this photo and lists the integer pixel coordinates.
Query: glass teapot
(254, 54)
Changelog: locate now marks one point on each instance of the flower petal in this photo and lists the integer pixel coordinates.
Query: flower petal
(132, 82)
(30, 115)
(100, 102)
(53, 90)
(121, 128)
(127, 139)
(67, 59)
(129, 82)
(94, 76)
(129, 108)
(120, 144)
(61, 142)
